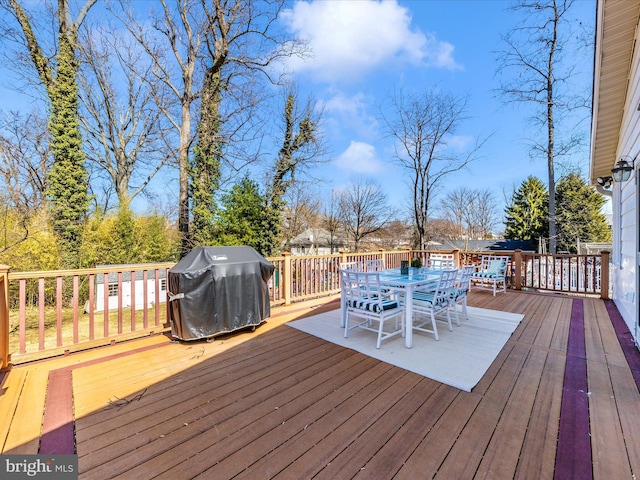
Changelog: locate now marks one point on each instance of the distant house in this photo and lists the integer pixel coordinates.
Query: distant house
(113, 293)
(316, 241)
(485, 245)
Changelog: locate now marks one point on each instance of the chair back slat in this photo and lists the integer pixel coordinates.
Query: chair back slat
(357, 266)
(446, 284)
(464, 279)
(375, 265)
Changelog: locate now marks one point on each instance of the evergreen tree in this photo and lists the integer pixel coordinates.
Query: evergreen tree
(240, 218)
(526, 216)
(579, 215)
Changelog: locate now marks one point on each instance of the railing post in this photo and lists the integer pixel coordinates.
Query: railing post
(604, 274)
(287, 278)
(517, 263)
(456, 257)
(4, 316)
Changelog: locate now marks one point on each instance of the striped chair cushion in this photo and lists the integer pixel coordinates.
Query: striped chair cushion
(427, 298)
(485, 274)
(494, 269)
(458, 292)
(373, 305)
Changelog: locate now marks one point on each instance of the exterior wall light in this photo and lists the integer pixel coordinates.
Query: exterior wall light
(605, 182)
(622, 171)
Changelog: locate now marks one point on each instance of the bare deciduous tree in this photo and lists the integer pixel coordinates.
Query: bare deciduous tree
(173, 40)
(25, 160)
(225, 41)
(363, 209)
(535, 50)
(474, 212)
(300, 213)
(122, 119)
(423, 125)
(331, 220)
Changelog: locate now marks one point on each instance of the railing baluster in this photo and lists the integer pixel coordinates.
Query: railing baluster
(58, 311)
(41, 313)
(120, 295)
(145, 299)
(22, 301)
(91, 300)
(132, 282)
(76, 335)
(105, 294)
(157, 294)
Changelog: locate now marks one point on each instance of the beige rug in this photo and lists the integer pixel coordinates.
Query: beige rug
(460, 358)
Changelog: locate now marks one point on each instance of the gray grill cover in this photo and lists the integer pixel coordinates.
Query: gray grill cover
(215, 290)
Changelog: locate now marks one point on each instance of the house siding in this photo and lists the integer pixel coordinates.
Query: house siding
(626, 242)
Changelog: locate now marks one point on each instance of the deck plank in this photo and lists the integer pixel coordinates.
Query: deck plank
(178, 389)
(538, 453)
(359, 456)
(350, 428)
(209, 411)
(304, 413)
(407, 438)
(12, 386)
(608, 443)
(500, 459)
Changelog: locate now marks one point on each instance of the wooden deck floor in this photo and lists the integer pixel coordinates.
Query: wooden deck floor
(278, 403)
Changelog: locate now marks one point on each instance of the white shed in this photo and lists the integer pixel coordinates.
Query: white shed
(127, 287)
(615, 138)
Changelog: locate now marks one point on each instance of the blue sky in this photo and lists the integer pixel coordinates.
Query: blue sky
(364, 50)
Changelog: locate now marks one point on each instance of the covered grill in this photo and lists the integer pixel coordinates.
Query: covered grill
(215, 290)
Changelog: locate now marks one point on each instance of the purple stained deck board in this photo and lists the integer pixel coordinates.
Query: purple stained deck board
(573, 455)
(626, 340)
(57, 426)
(58, 430)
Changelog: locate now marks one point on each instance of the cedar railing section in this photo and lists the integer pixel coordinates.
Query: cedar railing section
(44, 314)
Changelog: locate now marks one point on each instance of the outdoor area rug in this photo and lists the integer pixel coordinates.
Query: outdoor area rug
(460, 358)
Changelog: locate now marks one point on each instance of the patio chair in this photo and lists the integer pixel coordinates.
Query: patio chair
(432, 302)
(375, 265)
(367, 301)
(460, 291)
(440, 262)
(491, 273)
(346, 267)
(357, 266)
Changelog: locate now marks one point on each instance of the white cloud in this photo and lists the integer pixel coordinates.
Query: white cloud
(351, 111)
(352, 38)
(359, 157)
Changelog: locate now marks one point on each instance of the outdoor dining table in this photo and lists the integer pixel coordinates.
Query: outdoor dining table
(416, 278)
